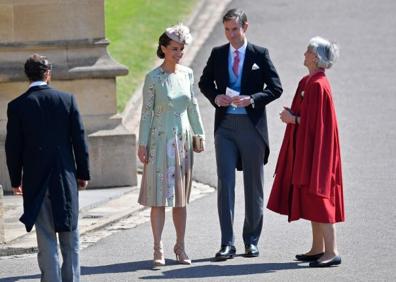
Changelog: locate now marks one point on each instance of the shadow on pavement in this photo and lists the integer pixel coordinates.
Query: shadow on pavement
(201, 271)
(226, 270)
(17, 278)
(116, 268)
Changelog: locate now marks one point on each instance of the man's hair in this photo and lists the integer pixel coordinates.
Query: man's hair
(36, 66)
(236, 14)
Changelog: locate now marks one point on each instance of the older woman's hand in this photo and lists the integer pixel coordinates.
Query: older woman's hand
(287, 116)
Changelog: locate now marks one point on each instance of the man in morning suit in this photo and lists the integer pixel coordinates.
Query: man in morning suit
(47, 159)
(241, 135)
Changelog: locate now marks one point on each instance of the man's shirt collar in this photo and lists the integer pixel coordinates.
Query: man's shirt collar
(241, 49)
(37, 83)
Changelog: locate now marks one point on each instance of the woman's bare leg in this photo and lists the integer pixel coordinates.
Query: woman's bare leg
(179, 220)
(157, 217)
(329, 235)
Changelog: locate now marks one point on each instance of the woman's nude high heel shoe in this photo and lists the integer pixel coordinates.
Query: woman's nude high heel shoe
(181, 255)
(159, 259)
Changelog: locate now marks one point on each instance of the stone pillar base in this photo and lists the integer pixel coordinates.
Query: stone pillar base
(2, 211)
(112, 158)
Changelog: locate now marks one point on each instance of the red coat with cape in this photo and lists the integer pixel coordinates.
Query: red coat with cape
(308, 176)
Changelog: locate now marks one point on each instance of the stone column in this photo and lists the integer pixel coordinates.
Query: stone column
(2, 211)
(71, 34)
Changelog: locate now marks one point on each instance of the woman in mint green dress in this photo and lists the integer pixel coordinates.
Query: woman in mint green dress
(170, 118)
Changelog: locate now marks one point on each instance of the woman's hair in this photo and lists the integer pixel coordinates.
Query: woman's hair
(179, 33)
(163, 40)
(327, 52)
(36, 67)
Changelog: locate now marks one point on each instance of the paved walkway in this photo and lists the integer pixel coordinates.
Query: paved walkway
(92, 214)
(102, 212)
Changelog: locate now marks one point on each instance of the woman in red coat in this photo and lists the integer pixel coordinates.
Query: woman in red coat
(308, 176)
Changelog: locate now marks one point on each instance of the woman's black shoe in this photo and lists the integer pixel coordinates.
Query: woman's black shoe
(303, 257)
(334, 261)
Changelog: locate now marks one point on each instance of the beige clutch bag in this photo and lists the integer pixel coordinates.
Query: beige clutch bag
(198, 143)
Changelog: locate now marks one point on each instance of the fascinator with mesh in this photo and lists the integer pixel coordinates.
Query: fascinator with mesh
(179, 33)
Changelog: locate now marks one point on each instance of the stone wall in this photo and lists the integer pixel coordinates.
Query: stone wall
(2, 234)
(71, 34)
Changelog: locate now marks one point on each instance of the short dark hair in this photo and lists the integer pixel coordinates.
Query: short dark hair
(36, 66)
(163, 40)
(236, 14)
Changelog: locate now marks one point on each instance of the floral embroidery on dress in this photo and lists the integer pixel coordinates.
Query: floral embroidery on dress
(171, 182)
(163, 77)
(147, 111)
(181, 147)
(171, 148)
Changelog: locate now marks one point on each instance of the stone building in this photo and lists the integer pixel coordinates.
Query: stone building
(71, 33)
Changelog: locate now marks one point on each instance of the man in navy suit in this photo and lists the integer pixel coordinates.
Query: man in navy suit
(47, 159)
(240, 80)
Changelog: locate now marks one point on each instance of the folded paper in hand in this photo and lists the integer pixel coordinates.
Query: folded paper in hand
(231, 93)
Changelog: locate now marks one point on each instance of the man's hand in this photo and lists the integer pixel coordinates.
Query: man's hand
(82, 184)
(223, 100)
(241, 101)
(17, 190)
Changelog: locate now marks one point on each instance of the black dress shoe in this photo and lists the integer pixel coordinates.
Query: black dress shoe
(226, 252)
(251, 251)
(334, 261)
(303, 257)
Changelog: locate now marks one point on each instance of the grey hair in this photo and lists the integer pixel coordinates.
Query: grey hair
(327, 52)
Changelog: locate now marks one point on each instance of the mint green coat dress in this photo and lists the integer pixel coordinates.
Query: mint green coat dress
(170, 117)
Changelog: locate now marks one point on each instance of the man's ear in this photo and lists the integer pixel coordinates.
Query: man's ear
(245, 26)
(47, 76)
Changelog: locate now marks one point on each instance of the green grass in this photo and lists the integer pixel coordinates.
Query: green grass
(133, 28)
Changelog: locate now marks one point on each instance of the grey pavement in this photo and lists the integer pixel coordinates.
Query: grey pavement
(364, 92)
(102, 213)
(19, 242)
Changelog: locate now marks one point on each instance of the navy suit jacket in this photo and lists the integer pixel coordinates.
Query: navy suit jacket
(46, 150)
(262, 84)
